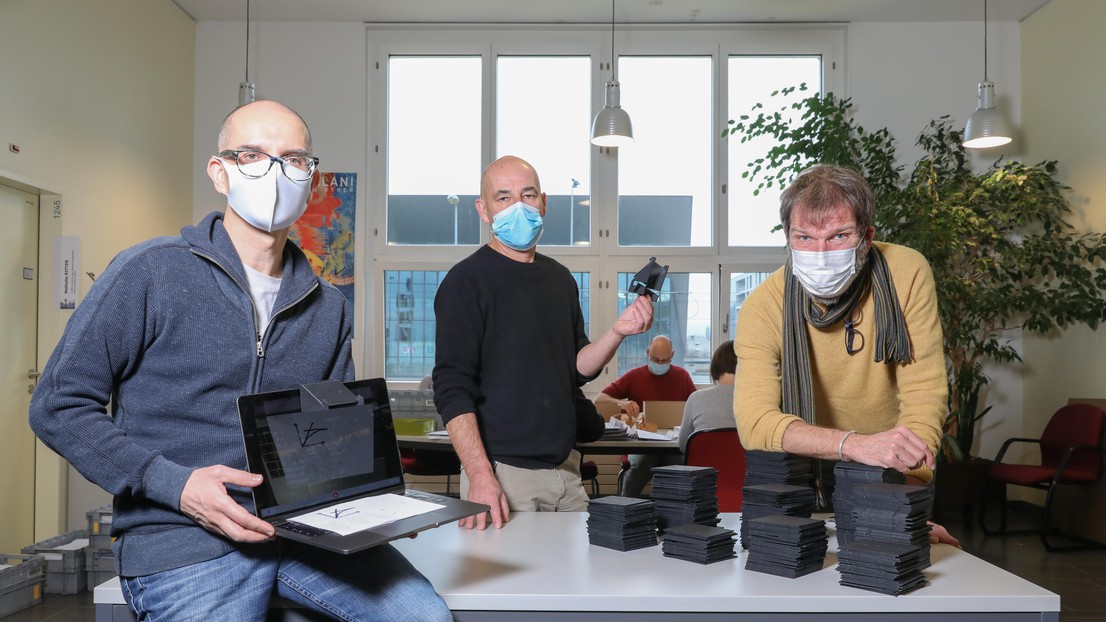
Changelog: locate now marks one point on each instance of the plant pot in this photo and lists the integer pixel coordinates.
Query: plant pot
(958, 490)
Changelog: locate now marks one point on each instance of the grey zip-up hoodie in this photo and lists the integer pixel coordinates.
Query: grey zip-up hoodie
(167, 337)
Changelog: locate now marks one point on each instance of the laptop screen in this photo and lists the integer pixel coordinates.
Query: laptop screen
(319, 457)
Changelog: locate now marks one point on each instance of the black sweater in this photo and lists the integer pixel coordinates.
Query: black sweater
(507, 337)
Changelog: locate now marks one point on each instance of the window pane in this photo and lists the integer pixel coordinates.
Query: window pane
(683, 313)
(409, 323)
(583, 283)
(664, 178)
(741, 285)
(433, 149)
(752, 80)
(543, 103)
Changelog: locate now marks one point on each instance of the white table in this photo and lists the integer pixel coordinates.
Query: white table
(668, 448)
(542, 564)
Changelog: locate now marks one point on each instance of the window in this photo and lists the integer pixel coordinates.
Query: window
(752, 81)
(682, 312)
(664, 178)
(433, 150)
(409, 321)
(544, 117)
(446, 101)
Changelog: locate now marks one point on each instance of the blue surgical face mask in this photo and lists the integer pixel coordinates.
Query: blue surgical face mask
(659, 369)
(518, 227)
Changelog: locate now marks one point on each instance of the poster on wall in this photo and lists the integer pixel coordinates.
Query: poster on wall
(325, 231)
(67, 252)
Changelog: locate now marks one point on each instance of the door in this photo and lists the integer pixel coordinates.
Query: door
(18, 365)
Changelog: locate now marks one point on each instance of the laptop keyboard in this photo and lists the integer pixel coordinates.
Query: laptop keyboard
(421, 496)
(304, 530)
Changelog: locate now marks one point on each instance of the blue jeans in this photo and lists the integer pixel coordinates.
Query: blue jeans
(378, 584)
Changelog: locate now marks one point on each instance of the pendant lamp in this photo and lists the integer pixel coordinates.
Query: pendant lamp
(987, 127)
(246, 90)
(611, 127)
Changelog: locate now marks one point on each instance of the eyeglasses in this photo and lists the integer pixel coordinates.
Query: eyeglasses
(256, 164)
(851, 333)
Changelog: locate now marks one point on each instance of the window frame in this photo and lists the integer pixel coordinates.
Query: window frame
(603, 258)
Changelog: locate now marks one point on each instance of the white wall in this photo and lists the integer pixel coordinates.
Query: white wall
(316, 68)
(1063, 91)
(102, 108)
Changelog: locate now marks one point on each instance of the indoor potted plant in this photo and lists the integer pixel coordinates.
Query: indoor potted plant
(1002, 251)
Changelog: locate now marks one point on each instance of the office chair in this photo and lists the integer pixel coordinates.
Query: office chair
(589, 471)
(624, 463)
(720, 448)
(1071, 453)
(431, 463)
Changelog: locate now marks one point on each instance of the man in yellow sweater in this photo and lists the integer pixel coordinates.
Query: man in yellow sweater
(840, 350)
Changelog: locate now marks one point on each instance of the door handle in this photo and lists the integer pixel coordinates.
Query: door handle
(33, 374)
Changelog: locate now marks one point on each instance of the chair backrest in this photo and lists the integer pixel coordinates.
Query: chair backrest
(720, 448)
(1074, 424)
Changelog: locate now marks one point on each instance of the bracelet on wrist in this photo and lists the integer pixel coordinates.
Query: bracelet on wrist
(841, 446)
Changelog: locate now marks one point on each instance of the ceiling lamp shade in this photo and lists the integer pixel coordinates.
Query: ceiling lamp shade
(987, 127)
(612, 127)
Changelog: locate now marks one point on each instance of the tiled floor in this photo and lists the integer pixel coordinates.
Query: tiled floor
(1078, 577)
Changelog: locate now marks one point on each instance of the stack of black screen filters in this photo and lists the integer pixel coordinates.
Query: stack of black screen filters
(684, 495)
(773, 500)
(698, 543)
(849, 476)
(622, 523)
(786, 546)
(777, 467)
(776, 482)
(885, 547)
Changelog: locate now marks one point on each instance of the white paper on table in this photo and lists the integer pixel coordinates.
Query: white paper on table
(444, 433)
(353, 516)
(652, 436)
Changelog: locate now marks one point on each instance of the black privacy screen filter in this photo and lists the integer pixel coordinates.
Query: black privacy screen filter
(649, 280)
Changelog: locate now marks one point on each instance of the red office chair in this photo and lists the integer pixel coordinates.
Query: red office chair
(431, 463)
(720, 448)
(1071, 453)
(624, 462)
(589, 471)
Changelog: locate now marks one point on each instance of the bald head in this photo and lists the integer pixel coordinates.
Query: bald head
(660, 349)
(505, 172)
(263, 111)
(507, 181)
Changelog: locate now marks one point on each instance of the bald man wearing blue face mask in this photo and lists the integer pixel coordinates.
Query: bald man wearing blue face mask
(512, 354)
(658, 379)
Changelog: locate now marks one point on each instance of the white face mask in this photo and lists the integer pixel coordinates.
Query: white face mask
(270, 203)
(824, 274)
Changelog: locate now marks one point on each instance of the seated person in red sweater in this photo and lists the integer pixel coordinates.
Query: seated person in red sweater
(658, 380)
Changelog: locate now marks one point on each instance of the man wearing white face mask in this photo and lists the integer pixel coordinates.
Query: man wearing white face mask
(840, 350)
(140, 397)
(511, 354)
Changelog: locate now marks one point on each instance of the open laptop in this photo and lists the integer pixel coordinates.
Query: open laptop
(330, 461)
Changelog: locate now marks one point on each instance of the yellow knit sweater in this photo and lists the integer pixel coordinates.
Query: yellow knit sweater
(851, 392)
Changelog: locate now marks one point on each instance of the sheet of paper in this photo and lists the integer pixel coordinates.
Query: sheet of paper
(439, 433)
(652, 436)
(353, 516)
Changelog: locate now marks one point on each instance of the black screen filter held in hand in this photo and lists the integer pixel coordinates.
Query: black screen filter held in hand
(649, 280)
